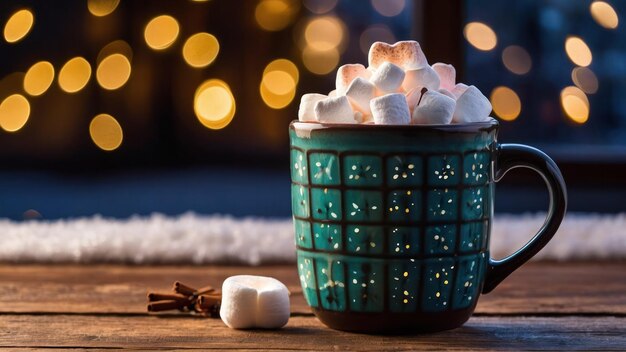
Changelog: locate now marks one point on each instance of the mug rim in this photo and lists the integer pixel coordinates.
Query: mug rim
(471, 127)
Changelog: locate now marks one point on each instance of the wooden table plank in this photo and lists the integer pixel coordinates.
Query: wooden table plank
(536, 288)
(305, 333)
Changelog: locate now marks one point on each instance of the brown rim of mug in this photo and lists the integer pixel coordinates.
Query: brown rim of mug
(472, 127)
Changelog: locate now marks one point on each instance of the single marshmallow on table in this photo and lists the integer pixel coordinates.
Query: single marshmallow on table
(447, 75)
(360, 92)
(433, 108)
(406, 54)
(472, 106)
(421, 77)
(347, 73)
(334, 110)
(388, 78)
(306, 112)
(254, 302)
(390, 109)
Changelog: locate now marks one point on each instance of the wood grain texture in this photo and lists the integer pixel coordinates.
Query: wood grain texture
(536, 288)
(305, 333)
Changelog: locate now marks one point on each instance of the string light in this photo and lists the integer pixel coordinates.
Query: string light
(200, 50)
(578, 51)
(575, 104)
(74, 75)
(161, 32)
(276, 15)
(320, 62)
(320, 6)
(106, 132)
(388, 8)
(480, 35)
(18, 25)
(113, 72)
(585, 79)
(38, 78)
(324, 33)
(102, 8)
(115, 47)
(506, 103)
(604, 14)
(278, 85)
(14, 112)
(214, 104)
(375, 33)
(517, 60)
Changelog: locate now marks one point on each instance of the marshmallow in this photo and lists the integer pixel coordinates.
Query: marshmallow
(447, 75)
(360, 92)
(347, 73)
(421, 77)
(458, 90)
(447, 93)
(433, 108)
(388, 78)
(406, 54)
(472, 106)
(390, 109)
(332, 93)
(254, 302)
(306, 112)
(413, 97)
(334, 110)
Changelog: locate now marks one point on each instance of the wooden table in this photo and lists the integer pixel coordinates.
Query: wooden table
(543, 306)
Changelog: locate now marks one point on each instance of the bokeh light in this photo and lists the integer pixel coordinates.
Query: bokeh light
(517, 60)
(200, 50)
(506, 103)
(375, 33)
(116, 47)
(161, 32)
(18, 25)
(276, 15)
(214, 104)
(74, 75)
(480, 35)
(575, 104)
(320, 62)
(278, 85)
(320, 6)
(585, 79)
(388, 8)
(113, 72)
(38, 78)
(324, 33)
(14, 112)
(578, 51)
(604, 14)
(106, 132)
(101, 8)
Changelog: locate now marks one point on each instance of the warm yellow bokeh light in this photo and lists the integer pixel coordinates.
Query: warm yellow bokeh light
(585, 79)
(480, 35)
(115, 47)
(279, 82)
(74, 75)
(388, 8)
(575, 104)
(275, 15)
(283, 65)
(161, 32)
(517, 60)
(18, 25)
(14, 112)
(320, 62)
(101, 8)
(200, 49)
(324, 33)
(214, 104)
(276, 101)
(38, 78)
(604, 14)
(578, 51)
(106, 132)
(320, 6)
(113, 72)
(506, 103)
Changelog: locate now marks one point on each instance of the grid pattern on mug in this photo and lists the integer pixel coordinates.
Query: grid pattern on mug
(425, 214)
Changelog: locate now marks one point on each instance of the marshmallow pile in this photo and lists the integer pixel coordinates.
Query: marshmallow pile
(398, 87)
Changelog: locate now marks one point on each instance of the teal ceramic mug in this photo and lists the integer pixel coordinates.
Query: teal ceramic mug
(392, 223)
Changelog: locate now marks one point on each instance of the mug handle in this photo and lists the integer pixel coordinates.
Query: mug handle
(511, 156)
